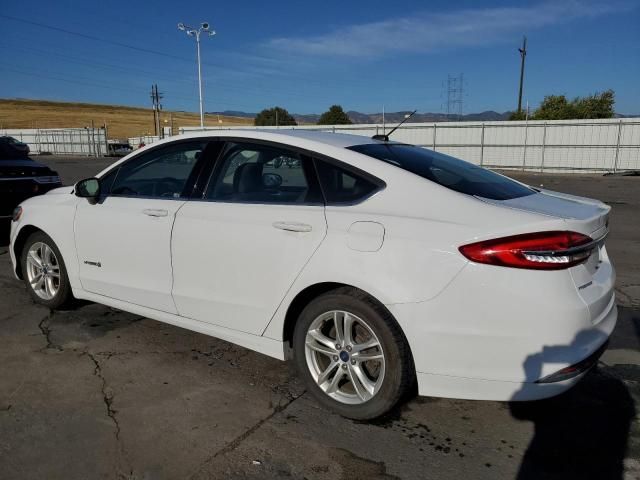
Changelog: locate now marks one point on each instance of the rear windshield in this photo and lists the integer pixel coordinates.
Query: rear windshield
(450, 172)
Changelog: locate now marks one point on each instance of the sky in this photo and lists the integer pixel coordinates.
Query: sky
(306, 56)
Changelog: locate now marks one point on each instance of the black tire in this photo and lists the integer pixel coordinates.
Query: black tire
(63, 296)
(399, 374)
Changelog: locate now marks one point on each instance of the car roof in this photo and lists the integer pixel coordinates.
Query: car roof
(341, 140)
(303, 138)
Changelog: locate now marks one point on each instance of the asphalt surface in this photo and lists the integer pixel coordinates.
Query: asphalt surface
(94, 392)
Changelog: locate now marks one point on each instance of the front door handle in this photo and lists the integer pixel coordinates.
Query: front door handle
(155, 212)
(293, 226)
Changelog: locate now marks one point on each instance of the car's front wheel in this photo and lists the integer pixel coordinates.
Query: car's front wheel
(352, 354)
(44, 271)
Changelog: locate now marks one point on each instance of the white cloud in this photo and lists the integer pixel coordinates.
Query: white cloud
(428, 32)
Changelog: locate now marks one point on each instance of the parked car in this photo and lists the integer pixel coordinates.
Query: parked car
(119, 149)
(13, 148)
(22, 178)
(374, 265)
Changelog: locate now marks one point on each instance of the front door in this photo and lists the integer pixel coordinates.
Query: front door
(237, 252)
(124, 241)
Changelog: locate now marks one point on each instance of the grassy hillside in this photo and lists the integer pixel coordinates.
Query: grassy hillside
(122, 122)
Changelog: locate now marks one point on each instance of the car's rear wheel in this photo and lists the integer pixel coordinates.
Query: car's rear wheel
(352, 354)
(44, 271)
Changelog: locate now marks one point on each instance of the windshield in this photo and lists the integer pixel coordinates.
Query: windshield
(450, 172)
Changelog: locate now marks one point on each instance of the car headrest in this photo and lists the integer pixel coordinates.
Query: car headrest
(247, 178)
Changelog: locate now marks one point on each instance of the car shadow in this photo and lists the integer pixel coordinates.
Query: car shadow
(5, 229)
(582, 433)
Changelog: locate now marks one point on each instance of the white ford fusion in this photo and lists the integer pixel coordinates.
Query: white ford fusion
(377, 266)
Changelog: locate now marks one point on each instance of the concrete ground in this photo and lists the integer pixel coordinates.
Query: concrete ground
(98, 393)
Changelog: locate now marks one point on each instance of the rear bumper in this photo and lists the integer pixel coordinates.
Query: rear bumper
(491, 339)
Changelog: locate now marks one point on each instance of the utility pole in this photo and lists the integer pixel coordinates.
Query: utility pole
(155, 100)
(523, 56)
(153, 106)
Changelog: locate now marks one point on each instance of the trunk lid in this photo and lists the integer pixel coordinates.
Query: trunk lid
(583, 215)
(594, 279)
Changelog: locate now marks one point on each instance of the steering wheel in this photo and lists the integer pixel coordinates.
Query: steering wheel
(172, 185)
(124, 190)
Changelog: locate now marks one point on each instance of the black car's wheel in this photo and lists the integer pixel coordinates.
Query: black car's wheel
(352, 354)
(44, 272)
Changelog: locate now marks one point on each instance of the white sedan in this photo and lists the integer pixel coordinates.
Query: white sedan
(377, 266)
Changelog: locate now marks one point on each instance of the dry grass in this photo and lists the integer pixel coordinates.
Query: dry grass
(122, 122)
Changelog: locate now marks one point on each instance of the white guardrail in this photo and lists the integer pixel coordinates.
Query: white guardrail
(603, 145)
(62, 141)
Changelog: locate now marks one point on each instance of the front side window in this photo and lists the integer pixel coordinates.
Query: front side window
(162, 172)
(450, 172)
(263, 174)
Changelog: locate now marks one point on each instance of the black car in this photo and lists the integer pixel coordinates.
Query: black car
(22, 178)
(12, 148)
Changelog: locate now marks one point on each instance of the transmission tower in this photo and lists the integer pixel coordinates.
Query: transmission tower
(455, 95)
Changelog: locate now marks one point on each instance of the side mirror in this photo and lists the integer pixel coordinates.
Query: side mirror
(88, 188)
(271, 180)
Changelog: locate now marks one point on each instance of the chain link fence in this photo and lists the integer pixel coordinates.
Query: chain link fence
(90, 142)
(607, 145)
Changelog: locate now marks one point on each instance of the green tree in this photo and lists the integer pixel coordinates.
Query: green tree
(334, 116)
(557, 107)
(521, 115)
(274, 116)
(598, 105)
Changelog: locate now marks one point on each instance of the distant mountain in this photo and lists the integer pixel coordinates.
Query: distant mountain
(234, 113)
(396, 117)
(389, 117)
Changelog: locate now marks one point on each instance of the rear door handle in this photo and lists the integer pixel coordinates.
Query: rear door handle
(153, 212)
(293, 226)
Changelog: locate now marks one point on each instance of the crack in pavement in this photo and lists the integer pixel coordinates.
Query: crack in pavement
(46, 331)
(107, 397)
(236, 442)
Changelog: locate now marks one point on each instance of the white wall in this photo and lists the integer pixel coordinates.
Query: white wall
(61, 141)
(558, 145)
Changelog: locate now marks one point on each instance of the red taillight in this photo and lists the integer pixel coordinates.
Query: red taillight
(538, 251)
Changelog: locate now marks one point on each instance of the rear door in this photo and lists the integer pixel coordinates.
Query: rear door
(238, 250)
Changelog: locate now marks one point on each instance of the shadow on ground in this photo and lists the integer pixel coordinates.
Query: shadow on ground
(5, 228)
(584, 432)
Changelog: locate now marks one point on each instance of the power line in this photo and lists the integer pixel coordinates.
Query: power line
(281, 72)
(110, 87)
(93, 37)
(169, 78)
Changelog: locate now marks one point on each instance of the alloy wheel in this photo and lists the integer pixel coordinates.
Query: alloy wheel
(345, 357)
(43, 270)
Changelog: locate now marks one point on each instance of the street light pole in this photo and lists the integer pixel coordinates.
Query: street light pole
(200, 81)
(195, 32)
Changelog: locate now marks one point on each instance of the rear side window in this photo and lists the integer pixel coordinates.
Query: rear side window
(450, 172)
(342, 186)
(264, 174)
